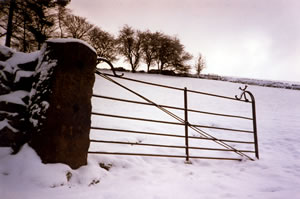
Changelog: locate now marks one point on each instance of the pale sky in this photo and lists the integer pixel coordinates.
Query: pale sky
(242, 38)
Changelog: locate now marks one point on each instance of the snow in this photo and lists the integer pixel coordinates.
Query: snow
(67, 40)
(4, 123)
(21, 58)
(14, 97)
(6, 51)
(275, 176)
(267, 83)
(21, 73)
(38, 110)
(44, 70)
(6, 68)
(16, 58)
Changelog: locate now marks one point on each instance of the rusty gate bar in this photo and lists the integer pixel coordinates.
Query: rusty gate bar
(168, 135)
(162, 155)
(139, 119)
(174, 123)
(138, 143)
(186, 125)
(166, 146)
(220, 128)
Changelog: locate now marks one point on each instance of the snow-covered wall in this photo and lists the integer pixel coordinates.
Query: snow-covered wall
(16, 77)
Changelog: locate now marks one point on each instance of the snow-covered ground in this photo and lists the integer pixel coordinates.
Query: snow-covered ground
(275, 176)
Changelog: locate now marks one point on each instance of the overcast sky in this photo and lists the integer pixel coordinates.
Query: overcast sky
(244, 38)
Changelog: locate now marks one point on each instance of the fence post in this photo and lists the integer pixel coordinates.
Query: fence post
(186, 125)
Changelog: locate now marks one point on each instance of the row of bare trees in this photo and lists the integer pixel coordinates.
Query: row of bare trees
(26, 24)
(152, 48)
(155, 50)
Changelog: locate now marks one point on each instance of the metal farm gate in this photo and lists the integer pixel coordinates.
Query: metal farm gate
(227, 145)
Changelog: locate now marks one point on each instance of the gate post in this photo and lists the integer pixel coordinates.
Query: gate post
(186, 125)
(60, 102)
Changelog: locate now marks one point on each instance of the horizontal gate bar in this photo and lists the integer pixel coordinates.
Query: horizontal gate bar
(221, 128)
(171, 107)
(176, 88)
(135, 118)
(161, 155)
(173, 123)
(169, 135)
(136, 143)
(215, 149)
(137, 132)
(168, 146)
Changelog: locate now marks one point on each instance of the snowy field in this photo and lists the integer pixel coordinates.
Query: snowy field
(275, 176)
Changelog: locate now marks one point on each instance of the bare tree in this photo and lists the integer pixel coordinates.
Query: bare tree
(200, 64)
(42, 24)
(171, 55)
(163, 52)
(77, 27)
(150, 44)
(61, 14)
(104, 43)
(130, 46)
(179, 64)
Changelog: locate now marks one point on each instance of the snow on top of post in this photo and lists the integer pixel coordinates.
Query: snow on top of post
(67, 40)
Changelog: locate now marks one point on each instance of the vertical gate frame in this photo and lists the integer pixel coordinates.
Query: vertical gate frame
(186, 125)
(243, 96)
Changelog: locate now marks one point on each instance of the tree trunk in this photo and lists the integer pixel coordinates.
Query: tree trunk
(9, 23)
(161, 67)
(60, 13)
(24, 36)
(132, 65)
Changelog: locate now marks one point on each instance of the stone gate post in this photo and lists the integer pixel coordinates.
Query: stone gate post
(60, 102)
